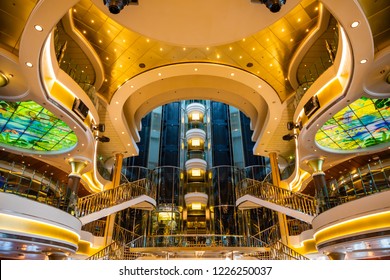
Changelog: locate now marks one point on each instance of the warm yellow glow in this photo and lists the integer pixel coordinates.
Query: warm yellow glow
(195, 172)
(196, 206)
(166, 216)
(306, 247)
(93, 185)
(366, 223)
(195, 116)
(86, 248)
(26, 226)
(195, 142)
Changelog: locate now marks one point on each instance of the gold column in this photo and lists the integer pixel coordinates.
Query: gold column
(276, 181)
(117, 170)
(110, 220)
(318, 176)
(74, 177)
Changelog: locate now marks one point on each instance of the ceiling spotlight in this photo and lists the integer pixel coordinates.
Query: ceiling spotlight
(292, 125)
(102, 139)
(115, 6)
(99, 127)
(289, 137)
(273, 5)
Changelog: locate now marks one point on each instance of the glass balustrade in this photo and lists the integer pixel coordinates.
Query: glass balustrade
(22, 181)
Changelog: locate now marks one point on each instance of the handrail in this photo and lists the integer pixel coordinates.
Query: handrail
(97, 227)
(286, 198)
(296, 227)
(269, 235)
(278, 251)
(124, 235)
(95, 202)
(195, 240)
(282, 252)
(113, 251)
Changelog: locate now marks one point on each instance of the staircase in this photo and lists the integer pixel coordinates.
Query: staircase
(140, 194)
(254, 194)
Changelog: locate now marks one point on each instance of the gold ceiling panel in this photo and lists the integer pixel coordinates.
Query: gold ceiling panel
(265, 54)
(13, 16)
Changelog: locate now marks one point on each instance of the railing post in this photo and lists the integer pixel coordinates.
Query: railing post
(276, 181)
(110, 221)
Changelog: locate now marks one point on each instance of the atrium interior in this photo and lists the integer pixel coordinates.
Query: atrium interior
(225, 129)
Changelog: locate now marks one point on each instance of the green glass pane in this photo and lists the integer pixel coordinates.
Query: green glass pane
(28, 125)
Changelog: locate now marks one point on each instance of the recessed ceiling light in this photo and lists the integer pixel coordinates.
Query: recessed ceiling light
(363, 61)
(355, 24)
(232, 74)
(38, 28)
(29, 64)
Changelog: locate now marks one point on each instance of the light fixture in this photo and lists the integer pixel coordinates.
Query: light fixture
(363, 61)
(38, 28)
(355, 24)
(29, 64)
(195, 172)
(289, 137)
(195, 142)
(273, 5)
(196, 206)
(115, 6)
(3, 80)
(102, 139)
(99, 127)
(292, 125)
(195, 116)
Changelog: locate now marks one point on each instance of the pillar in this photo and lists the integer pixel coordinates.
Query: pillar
(110, 220)
(276, 182)
(73, 184)
(318, 176)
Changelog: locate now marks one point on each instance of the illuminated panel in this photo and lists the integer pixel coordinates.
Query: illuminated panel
(195, 116)
(195, 142)
(364, 123)
(195, 172)
(28, 125)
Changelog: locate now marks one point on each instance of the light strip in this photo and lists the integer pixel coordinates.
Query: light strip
(361, 224)
(27, 226)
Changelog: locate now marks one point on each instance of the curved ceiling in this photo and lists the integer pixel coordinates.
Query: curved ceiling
(265, 52)
(198, 23)
(243, 90)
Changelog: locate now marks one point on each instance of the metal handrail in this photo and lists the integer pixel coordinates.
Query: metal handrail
(281, 251)
(286, 198)
(113, 251)
(102, 200)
